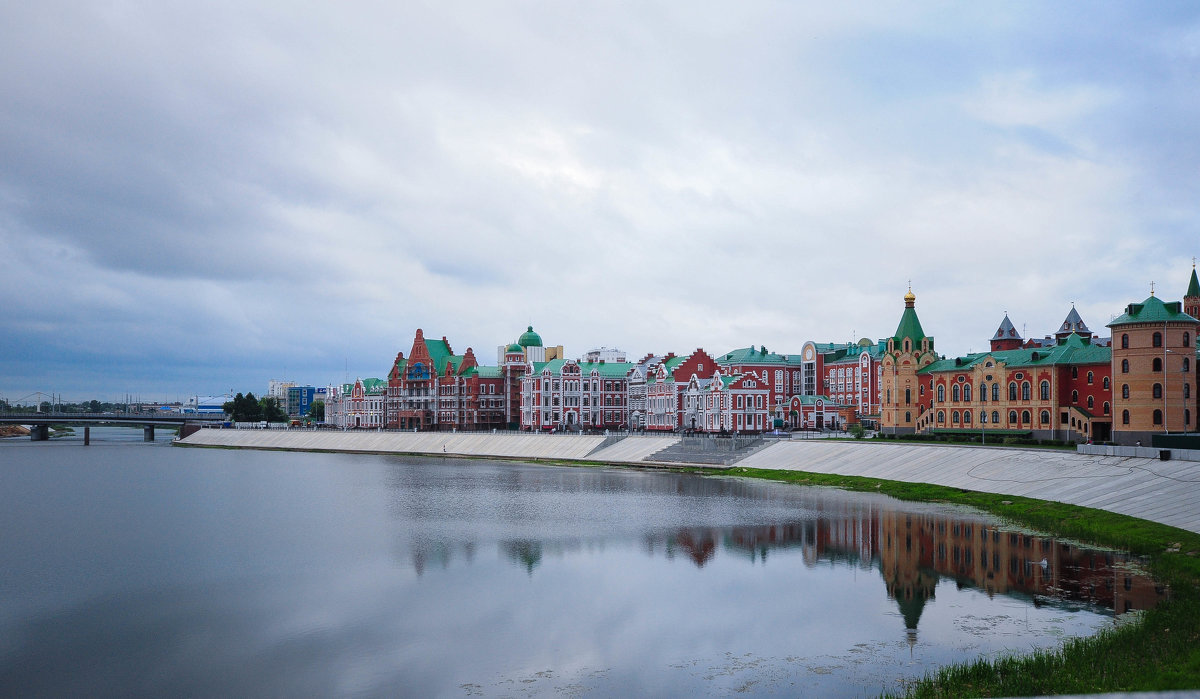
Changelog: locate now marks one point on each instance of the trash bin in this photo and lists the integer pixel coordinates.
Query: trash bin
(1164, 454)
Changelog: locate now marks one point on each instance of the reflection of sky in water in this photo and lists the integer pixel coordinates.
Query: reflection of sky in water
(144, 569)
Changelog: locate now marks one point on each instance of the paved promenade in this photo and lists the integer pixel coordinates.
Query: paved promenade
(1160, 491)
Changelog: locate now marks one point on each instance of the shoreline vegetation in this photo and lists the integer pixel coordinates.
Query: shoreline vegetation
(1159, 651)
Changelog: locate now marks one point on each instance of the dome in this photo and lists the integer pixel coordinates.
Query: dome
(529, 338)
(514, 347)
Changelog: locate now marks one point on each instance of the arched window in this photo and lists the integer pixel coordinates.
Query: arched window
(1124, 417)
(1157, 340)
(941, 416)
(1012, 391)
(1091, 376)
(1158, 417)
(1187, 417)
(907, 345)
(1025, 417)
(954, 417)
(1187, 340)
(941, 395)
(1187, 390)
(1187, 365)
(1106, 408)
(954, 393)
(1158, 390)
(995, 391)
(908, 417)
(1074, 372)
(1125, 391)
(1012, 417)
(1156, 364)
(907, 397)
(1025, 391)
(1124, 366)
(1091, 402)
(983, 417)
(1045, 417)
(1125, 341)
(1045, 390)
(1074, 396)
(966, 417)
(996, 417)
(1106, 384)
(967, 392)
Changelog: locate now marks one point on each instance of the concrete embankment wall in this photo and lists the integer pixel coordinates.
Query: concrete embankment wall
(501, 445)
(1160, 491)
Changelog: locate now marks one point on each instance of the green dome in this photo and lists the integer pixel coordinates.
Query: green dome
(529, 338)
(514, 347)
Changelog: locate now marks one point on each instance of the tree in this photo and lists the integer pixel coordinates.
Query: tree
(244, 408)
(316, 410)
(94, 406)
(270, 410)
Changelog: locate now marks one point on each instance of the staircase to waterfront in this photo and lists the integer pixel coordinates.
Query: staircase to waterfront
(710, 451)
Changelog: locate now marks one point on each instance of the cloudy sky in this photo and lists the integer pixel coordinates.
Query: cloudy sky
(199, 197)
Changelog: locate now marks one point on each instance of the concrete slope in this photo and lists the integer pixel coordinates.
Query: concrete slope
(525, 446)
(632, 449)
(1160, 491)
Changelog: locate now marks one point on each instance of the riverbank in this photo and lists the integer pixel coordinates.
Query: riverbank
(1166, 492)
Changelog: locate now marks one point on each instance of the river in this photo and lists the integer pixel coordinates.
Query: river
(139, 569)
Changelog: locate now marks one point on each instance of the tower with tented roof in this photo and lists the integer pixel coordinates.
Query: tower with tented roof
(1006, 337)
(908, 351)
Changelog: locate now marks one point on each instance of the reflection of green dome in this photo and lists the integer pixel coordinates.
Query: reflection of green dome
(529, 338)
(514, 348)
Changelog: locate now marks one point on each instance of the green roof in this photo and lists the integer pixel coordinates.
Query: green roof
(486, 372)
(1193, 285)
(608, 370)
(751, 355)
(514, 347)
(439, 351)
(910, 327)
(1153, 310)
(529, 338)
(1073, 349)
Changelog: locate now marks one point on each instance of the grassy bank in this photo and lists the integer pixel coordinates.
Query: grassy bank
(1161, 652)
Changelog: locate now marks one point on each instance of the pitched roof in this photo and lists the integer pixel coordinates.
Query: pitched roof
(1006, 331)
(910, 325)
(1153, 310)
(752, 355)
(1194, 284)
(1073, 324)
(609, 370)
(1073, 349)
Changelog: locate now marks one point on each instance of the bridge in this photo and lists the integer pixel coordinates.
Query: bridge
(40, 422)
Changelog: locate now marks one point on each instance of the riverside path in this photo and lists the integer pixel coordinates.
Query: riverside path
(1160, 491)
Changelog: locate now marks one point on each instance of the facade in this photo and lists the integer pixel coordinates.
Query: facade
(820, 413)
(778, 373)
(436, 389)
(362, 404)
(573, 395)
(725, 404)
(665, 388)
(513, 360)
(906, 353)
(642, 369)
(301, 398)
(1154, 357)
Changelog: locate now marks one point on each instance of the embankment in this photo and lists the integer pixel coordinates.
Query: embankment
(1167, 492)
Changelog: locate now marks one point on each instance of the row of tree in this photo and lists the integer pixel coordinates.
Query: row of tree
(247, 408)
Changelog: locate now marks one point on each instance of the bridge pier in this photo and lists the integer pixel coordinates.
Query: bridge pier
(87, 436)
(39, 433)
(148, 433)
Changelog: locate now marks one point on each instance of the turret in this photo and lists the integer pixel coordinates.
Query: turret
(1006, 337)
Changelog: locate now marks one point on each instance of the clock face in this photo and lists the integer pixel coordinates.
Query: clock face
(808, 353)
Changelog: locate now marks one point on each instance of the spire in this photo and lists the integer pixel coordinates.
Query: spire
(1194, 284)
(1073, 324)
(1006, 330)
(910, 325)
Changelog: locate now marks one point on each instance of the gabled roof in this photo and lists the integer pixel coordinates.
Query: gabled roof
(1006, 331)
(1153, 310)
(439, 351)
(752, 355)
(373, 386)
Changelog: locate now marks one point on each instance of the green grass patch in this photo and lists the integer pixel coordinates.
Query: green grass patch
(1161, 651)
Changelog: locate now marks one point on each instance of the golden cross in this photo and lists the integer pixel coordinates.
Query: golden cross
(1151, 288)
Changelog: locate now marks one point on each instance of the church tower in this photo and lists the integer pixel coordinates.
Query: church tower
(1191, 300)
(908, 351)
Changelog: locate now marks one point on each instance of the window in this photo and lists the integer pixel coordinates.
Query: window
(1091, 401)
(995, 391)
(1187, 390)
(1025, 417)
(1045, 390)
(1074, 372)
(908, 417)
(1125, 341)
(907, 396)
(1025, 391)
(1074, 396)
(954, 417)
(941, 395)
(1124, 417)
(1090, 377)
(1187, 365)
(1156, 364)
(1187, 340)
(1045, 417)
(954, 393)
(1158, 417)
(1012, 391)
(996, 417)
(1106, 383)
(1158, 390)
(1124, 366)
(1156, 341)
(1125, 391)
(967, 417)
(967, 392)
(1106, 408)
(1012, 417)
(983, 393)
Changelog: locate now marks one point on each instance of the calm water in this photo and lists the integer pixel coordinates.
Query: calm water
(141, 569)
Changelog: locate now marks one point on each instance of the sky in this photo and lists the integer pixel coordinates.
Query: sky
(198, 198)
